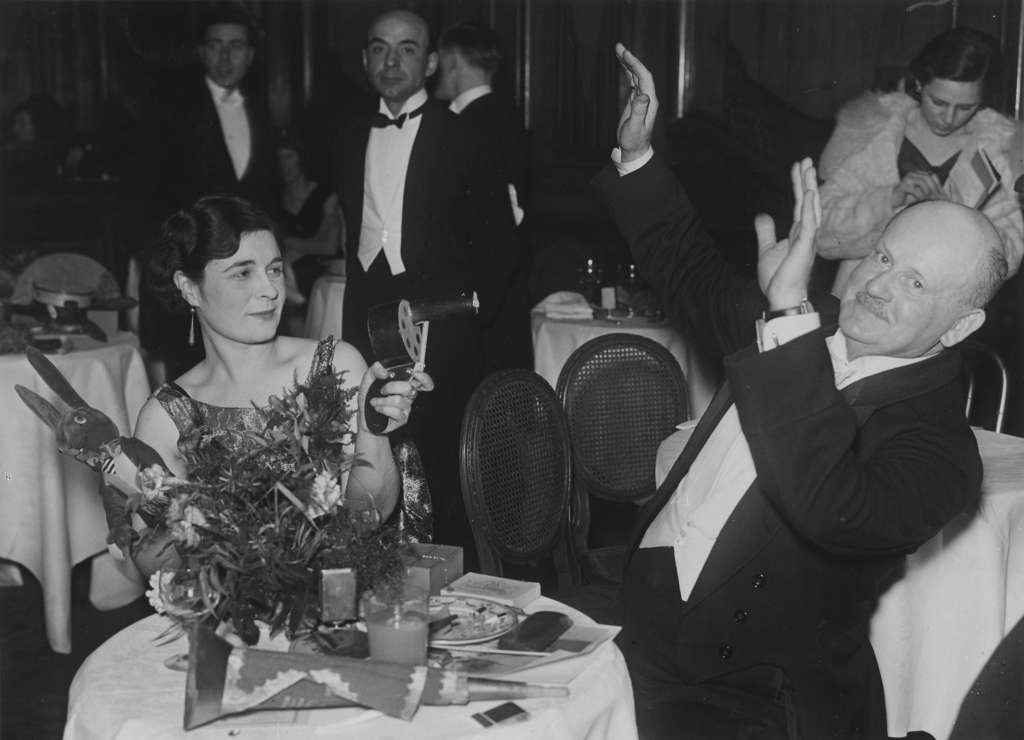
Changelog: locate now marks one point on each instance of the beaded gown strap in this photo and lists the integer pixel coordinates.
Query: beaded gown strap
(323, 358)
(179, 405)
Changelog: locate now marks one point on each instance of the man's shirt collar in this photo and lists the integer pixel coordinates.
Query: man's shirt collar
(222, 95)
(848, 372)
(414, 101)
(466, 97)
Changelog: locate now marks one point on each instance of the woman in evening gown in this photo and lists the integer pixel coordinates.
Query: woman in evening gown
(219, 260)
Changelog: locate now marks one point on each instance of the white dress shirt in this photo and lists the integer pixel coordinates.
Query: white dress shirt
(234, 123)
(387, 163)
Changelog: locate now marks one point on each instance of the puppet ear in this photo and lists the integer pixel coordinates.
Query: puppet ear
(40, 406)
(53, 378)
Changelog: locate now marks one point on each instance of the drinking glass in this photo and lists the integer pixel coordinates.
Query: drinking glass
(396, 624)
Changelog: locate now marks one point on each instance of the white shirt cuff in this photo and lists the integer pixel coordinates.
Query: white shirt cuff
(776, 332)
(625, 168)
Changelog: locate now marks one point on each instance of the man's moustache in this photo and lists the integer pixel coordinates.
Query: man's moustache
(874, 306)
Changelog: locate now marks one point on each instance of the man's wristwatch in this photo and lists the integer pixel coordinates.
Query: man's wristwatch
(803, 307)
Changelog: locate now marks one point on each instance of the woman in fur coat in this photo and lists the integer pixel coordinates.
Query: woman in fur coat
(892, 150)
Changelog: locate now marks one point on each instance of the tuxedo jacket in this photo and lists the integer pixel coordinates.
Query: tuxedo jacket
(848, 482)
(457, 229)
(193, 159)
(500, 122)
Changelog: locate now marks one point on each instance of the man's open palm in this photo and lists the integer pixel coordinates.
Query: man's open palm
(637, 120)
(784, 267)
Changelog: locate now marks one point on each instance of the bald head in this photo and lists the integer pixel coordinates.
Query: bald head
(924, 287)
(402, 17)
(962, 230)
(397, 57)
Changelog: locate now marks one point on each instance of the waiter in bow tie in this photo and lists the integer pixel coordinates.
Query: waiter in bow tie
(426, 201)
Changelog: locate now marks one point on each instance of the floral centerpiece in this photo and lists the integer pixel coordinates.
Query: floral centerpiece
(260, 513)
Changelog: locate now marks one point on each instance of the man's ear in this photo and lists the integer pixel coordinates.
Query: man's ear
(364, 60)
(963, 327)
(431, 63)
(187, 287)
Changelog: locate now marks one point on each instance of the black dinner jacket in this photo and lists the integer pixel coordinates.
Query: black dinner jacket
(500, 122)
(457, 228)
(847, 482)
(193, 158)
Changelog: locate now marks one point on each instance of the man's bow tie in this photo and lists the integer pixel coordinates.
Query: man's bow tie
(379, 120)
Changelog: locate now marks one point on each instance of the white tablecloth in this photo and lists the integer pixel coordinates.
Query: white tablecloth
(51, 516)
(962, 592)
(123, 692)
(555, 339)
(323, 312)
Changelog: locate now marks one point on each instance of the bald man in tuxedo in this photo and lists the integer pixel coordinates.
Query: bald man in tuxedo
(428, 217)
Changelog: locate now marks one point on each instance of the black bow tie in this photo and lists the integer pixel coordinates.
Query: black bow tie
(379, 120)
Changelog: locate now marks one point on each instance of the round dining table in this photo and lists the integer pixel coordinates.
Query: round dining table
(960, 594)
(123, 691)
(51, 515)
(554, 339)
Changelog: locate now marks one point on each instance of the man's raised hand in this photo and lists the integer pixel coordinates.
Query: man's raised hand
(637, 120)
(784, 267)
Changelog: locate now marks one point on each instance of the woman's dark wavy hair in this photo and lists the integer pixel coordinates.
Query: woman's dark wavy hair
(211, 229)
(960, 55)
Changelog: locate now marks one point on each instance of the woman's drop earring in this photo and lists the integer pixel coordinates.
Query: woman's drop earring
(192, 327)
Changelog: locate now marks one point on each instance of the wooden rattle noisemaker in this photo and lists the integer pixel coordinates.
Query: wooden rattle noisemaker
(398, 335)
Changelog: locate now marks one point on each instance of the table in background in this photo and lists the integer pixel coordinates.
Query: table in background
(51, 515)
(123, 691)
(963, 590)
(555, 339)
(323, 310)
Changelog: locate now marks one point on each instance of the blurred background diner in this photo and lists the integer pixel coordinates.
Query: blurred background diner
(116, 114)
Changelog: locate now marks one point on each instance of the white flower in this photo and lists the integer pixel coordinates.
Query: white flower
(325, 495)
(154, 481)
(184, 529)
(159, 582)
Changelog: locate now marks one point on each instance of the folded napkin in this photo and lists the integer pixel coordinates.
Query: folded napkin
(566, 305)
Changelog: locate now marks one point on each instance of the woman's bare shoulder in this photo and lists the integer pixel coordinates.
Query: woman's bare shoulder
(347, 357)
(296, 350)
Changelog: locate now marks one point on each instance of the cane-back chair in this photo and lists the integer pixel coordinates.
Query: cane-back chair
(516, 474)
(622, 394)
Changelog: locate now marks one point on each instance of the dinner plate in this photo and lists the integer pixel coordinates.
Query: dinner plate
(476, 620)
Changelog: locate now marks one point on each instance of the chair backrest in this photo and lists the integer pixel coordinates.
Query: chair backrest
(516, 473)
(986, 377)
(622, 394)
(66, 271)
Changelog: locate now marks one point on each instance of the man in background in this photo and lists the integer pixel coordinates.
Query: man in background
(468, 61)
(206, 137)
(428, 217)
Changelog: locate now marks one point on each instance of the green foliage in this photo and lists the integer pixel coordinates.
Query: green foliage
(255, 522)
